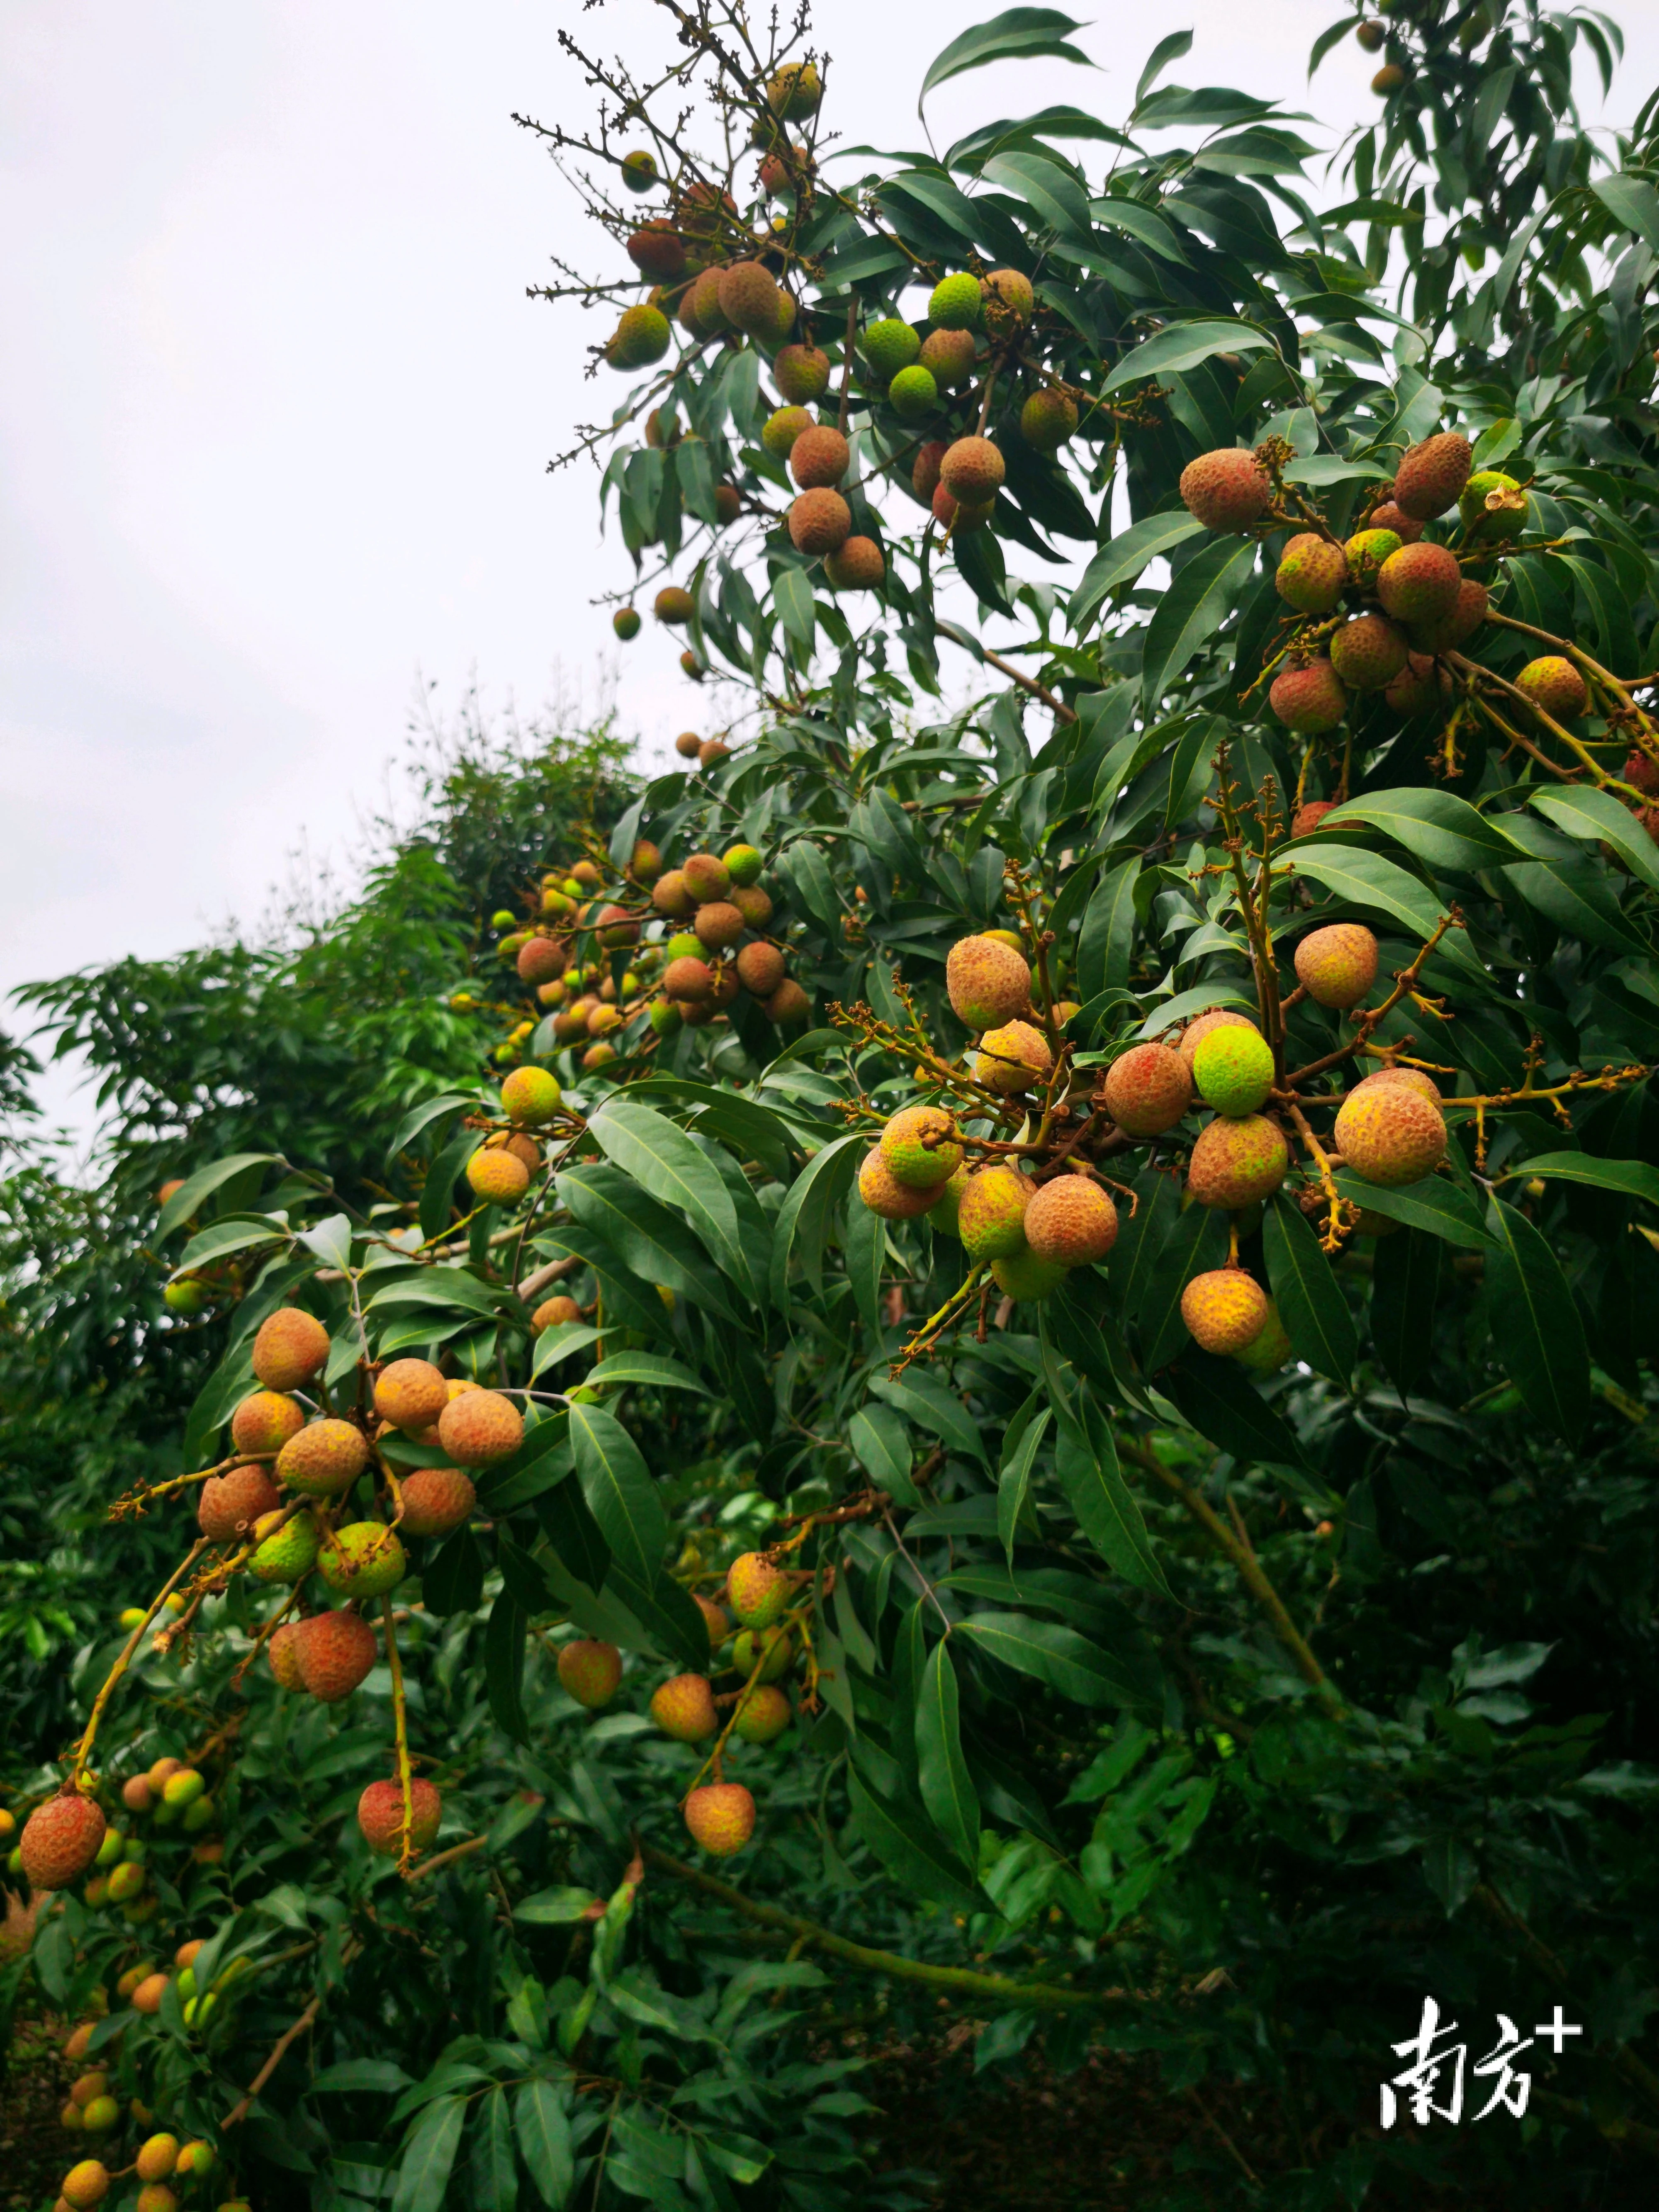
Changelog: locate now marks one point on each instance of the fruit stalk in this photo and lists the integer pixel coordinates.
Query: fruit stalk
(100, 1703)
(400, 1724)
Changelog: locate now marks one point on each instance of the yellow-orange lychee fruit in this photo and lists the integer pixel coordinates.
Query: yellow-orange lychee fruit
(1071, 1221)
(987, 982)
(713, 1618)
(290, 1348)
(496, 1175)
(857, 566)
(920, 1149)
(335, 1653)
(688, 979)
(1219, 1017)
(1389, 516)
(1554, 685)
(756, 1591)
(410, 1394)
(1414, 1078)
(718, 924)
(1233, 1069)
(589, 1672)
(532, 1094)
(61, 1840)
(991, 1214)
(1012, 1059)
(1419, 583)
(1310, 701)
(555, 1313)
(155, 2195)
(880, 1190)
(284, 1653)
(818, 458)
(380, 1815)
(147, 1994)
(1010, 291)
(971, 470)
(435, 1500)
(750, 299)
(1223, 1310)
(1367, 652)
(156, 2158)
(264, 1422)
(721, 1816)
(819, 522)
(1148, 1089)
(1233, 1163)
(85, 2185)
(1431, 477)
(323, 1460)
(1227, 489)
(1269, 1348)
(1389, 1133)
(480, 1428)
(1312, 574)
(229, 1504)
(1337, 965)
(684, 1708)
(760, 969)
(763, 1714)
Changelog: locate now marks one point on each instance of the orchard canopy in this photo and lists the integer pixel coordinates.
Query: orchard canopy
(1012, 1350)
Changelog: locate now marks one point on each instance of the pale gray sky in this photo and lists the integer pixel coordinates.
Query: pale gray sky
(274, 408)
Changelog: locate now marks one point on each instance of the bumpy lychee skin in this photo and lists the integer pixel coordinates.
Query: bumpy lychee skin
(1641, 771)
(1225, 489)
(1309, 816)
(1367, 652)
(1233, 1069)
(1012, 1059)
(1026, 1279)
(1008, 292)
(436, 1499)
(721, 1816)
(1554, 685)
(1337, 965)
(1414, 1078)
(156, 2158)
(1312, 574)
(688, 979)
(479, 1428)
(763, 1714)
(949, 357)
(1418, 687)
(972, 471)
(801, 373)
(818, 458)
(60, 1840)
(1392, 516)
(1234, 1163)
(858, 566)
(760, 969)
(1223, 1310)
(1431, 475)
(718, 924)
(230, 1503)
(290, 1348)
(1493, 505)
(589, 1672)
(1220, 1017)
(819, 522)
(496, 1175)
(285, 1554)
(641, 336)
(284, 1653)
(85, 2185)
(362, 1559)
(323, 1460)
(756, 1591)
(336, 1652)
(1047, 420)
(954, 303)
(771, 1649)
(880, 1190)
(913, 392)
(1459, 626)
(411, 1394)
(944, 1214)
(988, 983)
(789, 1003)
(380, 1815)
(1366, 551)
(1389, 1135)
(890, 345)
(706, 878)
(959, 515)
(1310, 701)
(1148, 1089)
(991, 1218)
(539, 960)
(1269, 1348)
(1072, 1221)
(921, 1149)
(264, 1422)
(684, 1708)
(1419, 583)
(781, 429)
(749, 298)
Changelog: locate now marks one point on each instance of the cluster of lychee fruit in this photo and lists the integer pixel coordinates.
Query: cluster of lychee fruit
(161, 2165)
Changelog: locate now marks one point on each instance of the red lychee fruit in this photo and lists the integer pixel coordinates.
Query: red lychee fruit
(721, 1816)
(264, 1422)
(1223, 1310)
(1414, 1078)
(1312, 574)
(480, 1428)
(410, 1394)
(924, 474)
(1459, 626)
(819, 521)
(1337, 965)
(284, 1653)
(714, 1618)
(334, 1652)
(323, 1460)
(437, 1499)
(820, 458)
(749, 298)
(1431, 475)
(801, 373)
(718, 924)
(1225, 489)
(1418, 687)
(1148, 1089)
(674, 605)
(1071, 1221)
(539, 960)
(658, 250)
(1419, 583)
(1309, 816)
(688, 978)
(589, 1672)
(789, 1003)
(684, 1708)
(1310, 699)
(60, 1840)
(1389, 516)
(1642, 770)
(380, 1815)
(290, 1348)
(959, 515)
(1367, 652)
(230, 1503)
(1389, 1133)
(972, 471)
(1555, 687)
(1234, 1163)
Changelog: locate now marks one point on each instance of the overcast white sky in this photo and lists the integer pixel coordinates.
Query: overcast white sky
(274, 408)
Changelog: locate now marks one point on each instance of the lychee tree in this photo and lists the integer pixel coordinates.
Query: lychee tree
(1037, 1340)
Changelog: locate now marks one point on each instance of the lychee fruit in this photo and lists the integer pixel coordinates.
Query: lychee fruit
(674, 605)
(760, 969)
(85, 2185)
(1389, 80)
(287, 1550)
(959, 515)
(658, 250)
(713, 1618)
(749, 298)
(325, 1459)
(231, 1503)
(954, 303)
(1012, 1059)
(793, 92)
(1555, 687)
(1391, 516)
(380, 1815)
(639, 170)
(700, 312)
(1312, 574)
(1310, 701)
(410, 1394)
(1493, 505)
(1071, 1221)
(1418, 687)
(972, 471)
(1456, 628)
(362, 1559)
(479, 1428)
(1366, 553)
(991, 1218)
(1389, 1133)
(789, 1003)
(801, 372)
(684, 1708)
(1233, 1163)
(641, 336)
(763, 1714)
(769, 1650)
(156, 2158)
(949, 357)
(1641, 771)
(284, 1653)
(1219, 1017)
(264, 1422)
(913, 392)
(1008, 290)
(688, 979)
(668, 894)
(1419, 583)
(886, 1196)
(924, 472)
(858, 567)
(1148, 1089)
(1233, 1069)
(918, 1146)
(945, 1214)
(1414, 1078)
(721, 1816)
(820, 458)
(334, 1652)
(436, 1499)
(1367, 652)
(1431, 475)
(1267, 1350)
(780, 430)
(1370, 36)
(757, 1592)
(1047, 420)
(718, 924)
(1337, 965)
(539, 960)
(496, 1175)
(1309, 816)
(61, 1840)
(626, 622)
(987, 982)
(1225, 489)
(1223, 1310)
(890, 345)
(290, 1347)
(589, 1672)
(819, 522)
(1023, 1278)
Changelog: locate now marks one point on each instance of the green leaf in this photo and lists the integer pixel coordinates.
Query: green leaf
(669, 1164)
(1107, 1510)
(1536, 1331)
(648, 1367)
(793, 594)
(1437, 1204)
(1196, 1242)
(544, 2142)
(1597, 815)
(1631, 201)
(1307, 1293)
(1367, 880)
(1182, 345)
(352, 2076)
(331, 1240)
(946, 1787)
(923, 1398)
(429, 2154)
(1217, 1398)
(1404, 1284)
(1059, 1656)
(619, 1492)
(504, 1635)
(864, 1248)
(187, 1198)
(422, 1117)
(438, 1191)
(1172, 48)
(556, 1908)
(809, 1211)
(1014, 1482)
(1578, 895)
(653, 1243)
(909, 1850)
(1053, 194)
(1633, 1178)
(1437, 826)
(494, 2169)
(1106, 939)
(1189, 613)
(882, 1446)
(237, 1232)
(1018, 34)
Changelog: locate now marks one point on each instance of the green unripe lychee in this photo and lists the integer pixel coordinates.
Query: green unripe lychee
(954, 304)
(770, 1649)
(530, 1095)
(944, 1214)
(1310, 701)
(1218, 1018)
(1026, 1279)
(742, 863)
(763, 1715)
(991, 1218)
(913, 392)
(1493, 505)
(1047, 420)
(640, 338)
(794, 91)
(1224, 1310)
(363, 1560)
(918, 1146)
(285, 1554)
(889, 346)
(1267, 1350)
(1235, 1162)
(1366, 551)
(639, 170)
(1234, 1070)
(1312, 574)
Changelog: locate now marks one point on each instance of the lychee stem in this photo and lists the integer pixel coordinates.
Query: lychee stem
(90, 1734)
(400, 1722)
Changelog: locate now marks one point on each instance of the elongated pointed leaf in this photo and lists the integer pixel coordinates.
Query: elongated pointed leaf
(882, 1443)
(619, 1492)
(1309, 1298)
(1218, 1399)
(1014, 1483)
(429, 2153)
(1437, 1204)
(665, 1162)
(1404, 1284)
(543, 2131)
(910, 1850)
(1058, 1656)
(1107, 1510)
(1191, 611)
(1536, 1331)
(1183, 345)
(947, 1790)
(1437, 826)
(1018, 34)
(190, 1194)
(809, 1211)
(1634, 1178)
(493, 2168)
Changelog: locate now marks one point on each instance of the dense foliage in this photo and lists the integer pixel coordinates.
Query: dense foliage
(1135, 1694)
